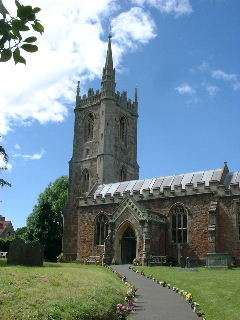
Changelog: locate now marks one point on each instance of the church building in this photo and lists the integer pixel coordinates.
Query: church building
(113, 215)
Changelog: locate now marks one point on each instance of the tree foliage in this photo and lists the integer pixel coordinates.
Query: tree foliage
(13, 29)
(4, 158)
(45, 224)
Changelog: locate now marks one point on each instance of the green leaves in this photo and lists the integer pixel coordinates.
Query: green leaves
(19, 25)
(38, 27)
(26, 13)
(30, 39)
(11, 29)
(17, 57)
(6, 55)
(36, 10)
(29, 47)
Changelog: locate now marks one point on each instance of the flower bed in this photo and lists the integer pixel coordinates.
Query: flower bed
(124, 309)
(188, 297)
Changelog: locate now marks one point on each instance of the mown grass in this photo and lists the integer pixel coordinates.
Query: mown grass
(59, 291)
(216, 290)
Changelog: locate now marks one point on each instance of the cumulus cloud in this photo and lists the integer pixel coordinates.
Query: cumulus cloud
(212, 90)
(133, 27)
(177, 7)
(231, 78)
(17, 146)
(72, 48)
(185, 89)
(34, 156)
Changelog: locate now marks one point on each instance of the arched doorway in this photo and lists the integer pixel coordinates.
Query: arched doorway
(128, 246)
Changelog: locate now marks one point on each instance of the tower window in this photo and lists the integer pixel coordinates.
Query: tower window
(123, 175)
(88, 129)
(123, 130)
(85, 181)
(179, 225)
(101, 229)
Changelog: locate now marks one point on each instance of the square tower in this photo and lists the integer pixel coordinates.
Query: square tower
(105, 136)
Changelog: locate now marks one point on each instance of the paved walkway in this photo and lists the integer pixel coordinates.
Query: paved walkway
(153, 302)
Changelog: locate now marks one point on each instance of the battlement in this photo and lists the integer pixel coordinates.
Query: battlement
(206, 182)
(95, 97)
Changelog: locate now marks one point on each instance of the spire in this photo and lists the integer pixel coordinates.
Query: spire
(108, 77)
(109, 59)
(136, 95)
(78, 89)
(78, 92)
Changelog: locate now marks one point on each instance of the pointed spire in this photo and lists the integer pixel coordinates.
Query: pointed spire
(109, 59)
(78, 89)
(136, 95)
(78, 98)
(108, 77)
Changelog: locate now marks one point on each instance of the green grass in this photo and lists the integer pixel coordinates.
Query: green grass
(59, 291)
(217, 291)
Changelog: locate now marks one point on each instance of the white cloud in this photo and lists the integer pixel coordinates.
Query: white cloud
(231, 78)
(34, 156)
(17, 146)
(177, 7)
(185, 89)
(133, 27)
(70, 49)
(212, 90)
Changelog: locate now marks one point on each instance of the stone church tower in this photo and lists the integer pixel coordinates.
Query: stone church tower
(105, 135)
(105, 140)
(114, 217)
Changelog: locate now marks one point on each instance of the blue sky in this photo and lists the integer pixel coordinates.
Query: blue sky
(182, 55)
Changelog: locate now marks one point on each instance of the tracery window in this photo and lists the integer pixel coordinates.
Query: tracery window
(88, 129)
(123, 130)
(85, 181)
(179, 224)
(101, 230)
(123, 175)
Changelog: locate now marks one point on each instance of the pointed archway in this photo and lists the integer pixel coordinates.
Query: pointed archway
(128, 246)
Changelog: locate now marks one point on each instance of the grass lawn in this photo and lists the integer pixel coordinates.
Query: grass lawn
(59, 291)
(217, 291)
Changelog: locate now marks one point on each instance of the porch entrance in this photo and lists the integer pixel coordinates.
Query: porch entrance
(128, 246)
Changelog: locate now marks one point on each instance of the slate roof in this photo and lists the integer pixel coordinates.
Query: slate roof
(194, 178)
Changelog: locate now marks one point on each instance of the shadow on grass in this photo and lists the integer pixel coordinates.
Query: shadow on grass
(3, 263)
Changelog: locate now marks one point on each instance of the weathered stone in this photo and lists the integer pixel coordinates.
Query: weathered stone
(21, 253)
(210, 200)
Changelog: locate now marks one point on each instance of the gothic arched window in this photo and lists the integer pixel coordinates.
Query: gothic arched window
(123, 129)
(123, 175)
(101, 229)
(85, 181)
(88, 128)
(179, 224)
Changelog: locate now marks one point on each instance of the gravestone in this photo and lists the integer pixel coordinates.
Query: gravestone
(24, 254)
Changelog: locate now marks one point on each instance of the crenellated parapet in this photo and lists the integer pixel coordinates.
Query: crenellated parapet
(209, 182)
(89, 99)
(95, 97)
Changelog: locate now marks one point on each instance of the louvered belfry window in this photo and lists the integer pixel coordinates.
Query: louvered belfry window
(89, 126)
(123, 130)
(179, 224)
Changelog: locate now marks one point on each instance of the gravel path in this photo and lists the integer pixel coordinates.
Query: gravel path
(153, 302)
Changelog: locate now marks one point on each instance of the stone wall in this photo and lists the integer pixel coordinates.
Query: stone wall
(80, 229)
